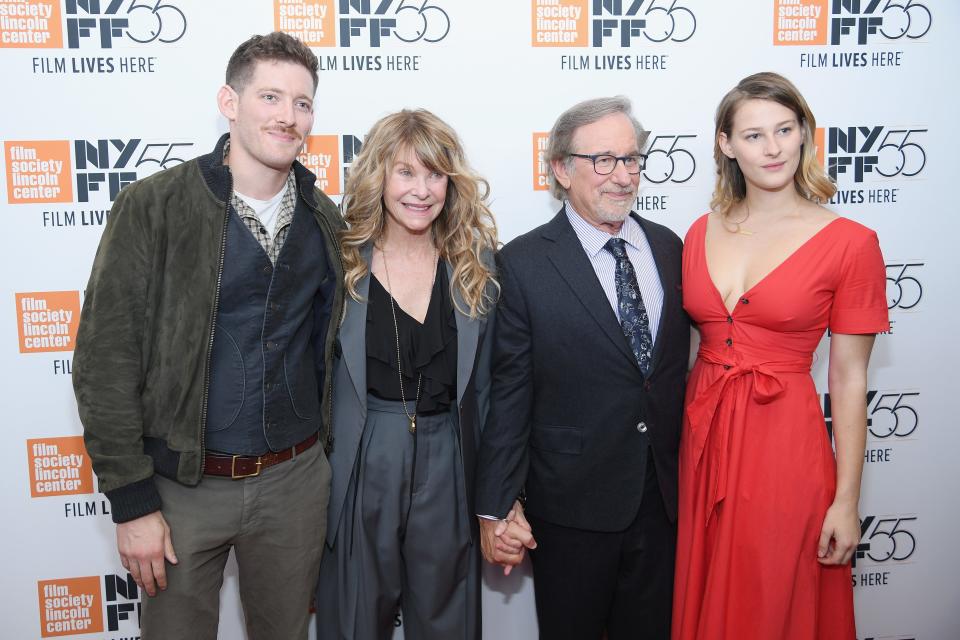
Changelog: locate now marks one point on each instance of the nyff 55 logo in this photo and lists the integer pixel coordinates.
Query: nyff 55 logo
(891, 415)
(857, 151)
(42, 171)
(362, 22)
(886, 539)
(89, 23)
(623, 23)
(860, 22)
(668, 160)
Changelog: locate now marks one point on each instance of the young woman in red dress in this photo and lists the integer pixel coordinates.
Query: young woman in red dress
(768, 514)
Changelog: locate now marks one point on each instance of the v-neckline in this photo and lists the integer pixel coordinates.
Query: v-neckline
(400, 307)
(766, 276)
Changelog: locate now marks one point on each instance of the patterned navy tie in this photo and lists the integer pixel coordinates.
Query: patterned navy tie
(633, 315)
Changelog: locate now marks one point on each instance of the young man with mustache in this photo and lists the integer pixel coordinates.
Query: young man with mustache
(203, 359)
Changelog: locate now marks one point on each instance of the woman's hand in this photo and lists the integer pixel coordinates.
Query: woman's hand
(840, 534)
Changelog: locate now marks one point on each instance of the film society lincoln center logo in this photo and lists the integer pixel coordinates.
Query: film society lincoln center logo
(330, 157)
(372, 23)
(848, 22)
(47, 320)
(59, 467)
(43, 171)
(602, 23)
(93, 24)
(73, 606)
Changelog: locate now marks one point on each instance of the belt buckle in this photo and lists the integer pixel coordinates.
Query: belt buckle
(233, 469)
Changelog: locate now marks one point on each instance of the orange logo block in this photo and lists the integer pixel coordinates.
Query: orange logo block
(320, 155)
(38, 171)
(559, 23)
(800, 22)
(541, 180)
(311, 21)
(47, 320)
(70, 606)
(59, 467)
(30, 24)
(818, 142)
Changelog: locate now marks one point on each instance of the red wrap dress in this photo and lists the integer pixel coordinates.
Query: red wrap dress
(757, 470)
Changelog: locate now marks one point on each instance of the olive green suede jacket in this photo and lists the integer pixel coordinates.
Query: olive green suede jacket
(141, 365)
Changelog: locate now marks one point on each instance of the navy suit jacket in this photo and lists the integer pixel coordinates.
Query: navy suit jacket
(572, 417)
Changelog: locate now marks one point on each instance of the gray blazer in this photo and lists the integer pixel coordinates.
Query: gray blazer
(474, 346)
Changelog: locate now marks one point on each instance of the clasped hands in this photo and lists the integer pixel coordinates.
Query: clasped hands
(505, 542)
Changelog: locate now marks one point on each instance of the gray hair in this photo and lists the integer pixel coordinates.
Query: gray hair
(560, 144)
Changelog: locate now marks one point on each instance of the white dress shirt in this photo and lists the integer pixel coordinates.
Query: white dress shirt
(605, 265)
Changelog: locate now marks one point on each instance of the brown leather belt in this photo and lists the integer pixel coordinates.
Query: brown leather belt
(237, 467)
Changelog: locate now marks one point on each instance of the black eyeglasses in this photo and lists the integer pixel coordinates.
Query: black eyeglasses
(604, 163)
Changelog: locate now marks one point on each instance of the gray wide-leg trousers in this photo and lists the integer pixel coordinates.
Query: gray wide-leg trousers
(404, 537)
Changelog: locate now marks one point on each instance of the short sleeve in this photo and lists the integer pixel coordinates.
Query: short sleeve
(860, 299)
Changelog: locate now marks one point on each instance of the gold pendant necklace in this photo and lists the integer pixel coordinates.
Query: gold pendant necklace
(737, 229)
(396, 332)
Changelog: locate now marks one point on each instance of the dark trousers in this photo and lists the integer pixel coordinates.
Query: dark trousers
(405, 538)
(590, 582)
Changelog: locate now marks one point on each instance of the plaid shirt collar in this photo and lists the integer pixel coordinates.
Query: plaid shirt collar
(288, 204)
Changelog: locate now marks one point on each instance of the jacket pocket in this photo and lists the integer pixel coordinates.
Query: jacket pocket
(227, 388)
(556, 439)
(301, 378)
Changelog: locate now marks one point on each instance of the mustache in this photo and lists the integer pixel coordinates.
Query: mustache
(290, 131)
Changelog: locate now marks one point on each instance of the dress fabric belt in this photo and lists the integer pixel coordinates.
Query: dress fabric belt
(703, 417)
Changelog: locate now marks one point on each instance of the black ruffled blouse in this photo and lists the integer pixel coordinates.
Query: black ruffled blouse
(430, 348)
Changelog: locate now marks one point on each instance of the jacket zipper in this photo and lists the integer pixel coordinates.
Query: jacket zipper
(328, 391)
(213, 329)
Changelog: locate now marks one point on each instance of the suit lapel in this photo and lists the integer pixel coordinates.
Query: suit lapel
(569, 258)
(353, 333)
(468, 334)
(661, 257)
(353, 337)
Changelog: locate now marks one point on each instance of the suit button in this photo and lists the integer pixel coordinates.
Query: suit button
(271, 345)
(744, 301)
(642, 427)
(729, 342)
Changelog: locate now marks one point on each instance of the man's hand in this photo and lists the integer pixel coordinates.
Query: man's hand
(143, 544)
(505, 542)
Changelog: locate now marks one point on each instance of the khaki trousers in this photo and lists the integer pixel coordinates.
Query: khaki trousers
(275, 522)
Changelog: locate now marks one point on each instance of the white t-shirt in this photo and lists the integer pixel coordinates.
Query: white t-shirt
(266, 210)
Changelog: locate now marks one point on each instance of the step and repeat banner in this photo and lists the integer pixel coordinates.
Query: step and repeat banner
(101, 93)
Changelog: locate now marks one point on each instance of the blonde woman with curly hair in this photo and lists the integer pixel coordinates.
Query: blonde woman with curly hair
(410, 388)
(768, 514)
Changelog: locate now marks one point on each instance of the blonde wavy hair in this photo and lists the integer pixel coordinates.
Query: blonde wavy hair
(809, 179)
(465, 231)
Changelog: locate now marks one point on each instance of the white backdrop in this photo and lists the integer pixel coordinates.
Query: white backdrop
(102, 92)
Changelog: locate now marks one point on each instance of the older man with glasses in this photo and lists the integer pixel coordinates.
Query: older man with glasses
(590, 359)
